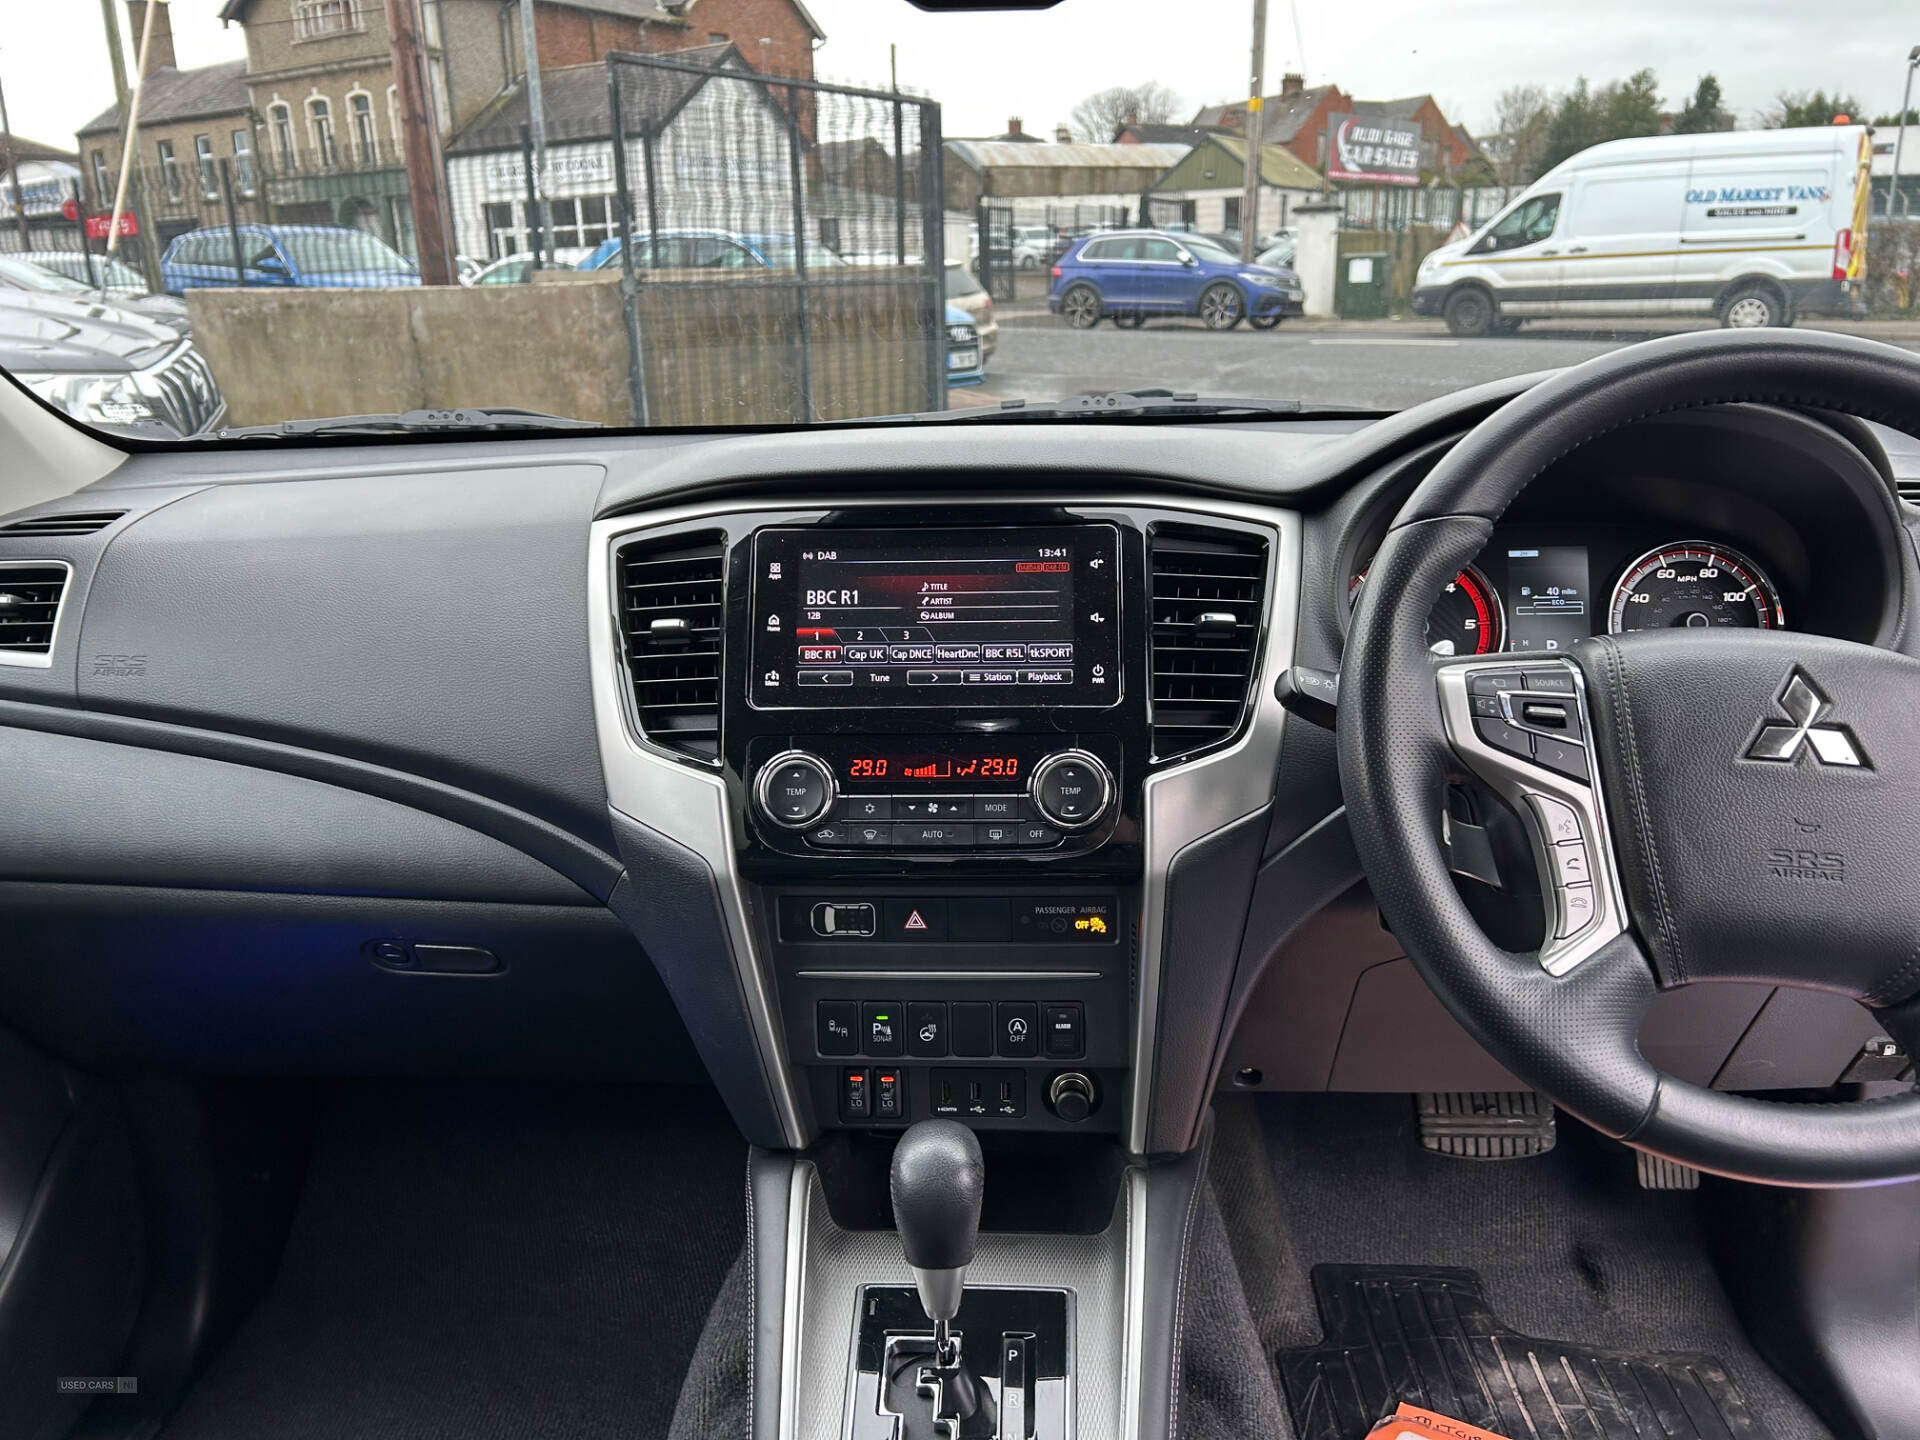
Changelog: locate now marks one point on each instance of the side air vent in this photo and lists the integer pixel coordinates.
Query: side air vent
(1208, 586)
(29, 606)
(74, 522)
(1909, 491)
(671, 595)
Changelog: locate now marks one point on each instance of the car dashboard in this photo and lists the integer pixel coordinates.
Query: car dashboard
(869, 775)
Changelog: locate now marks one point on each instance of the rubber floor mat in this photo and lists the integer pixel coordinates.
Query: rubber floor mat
(1428, 1337)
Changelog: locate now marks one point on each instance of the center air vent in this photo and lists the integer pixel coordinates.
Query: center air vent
(29, 606)
(74, 522)
(1207, 591)
(671, 595)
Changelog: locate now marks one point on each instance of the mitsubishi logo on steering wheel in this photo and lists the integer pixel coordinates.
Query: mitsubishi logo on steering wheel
(1805, 707)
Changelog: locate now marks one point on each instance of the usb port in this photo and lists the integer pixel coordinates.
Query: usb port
(1006, 1092)
(973, 1091)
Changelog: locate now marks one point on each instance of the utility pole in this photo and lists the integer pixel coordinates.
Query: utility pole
(149, 247)
(537, 111)
(426, 172)
(13, 175)
(1250, 201)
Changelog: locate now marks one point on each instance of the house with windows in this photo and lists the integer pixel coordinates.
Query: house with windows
(717, 151)
(1207, 187)
(312, 116)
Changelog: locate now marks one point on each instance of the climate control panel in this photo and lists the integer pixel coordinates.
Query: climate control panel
(934, 796)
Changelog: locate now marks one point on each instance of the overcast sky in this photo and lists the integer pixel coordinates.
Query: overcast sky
(986, 68)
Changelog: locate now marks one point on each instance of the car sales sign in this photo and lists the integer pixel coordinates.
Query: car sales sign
(1360, 147)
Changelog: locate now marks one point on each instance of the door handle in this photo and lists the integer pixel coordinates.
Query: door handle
(1577, 250)
(1549, 252)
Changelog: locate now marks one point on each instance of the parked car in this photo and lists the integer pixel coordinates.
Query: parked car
(90, 270)
(1033, 246)
(966, 293)
(19, 274)
(1753, 227)
(515, 269)
(1133, 274)
(106, 366)
(327, 257)
(711, 250)
(965, 363)
(1278, 255)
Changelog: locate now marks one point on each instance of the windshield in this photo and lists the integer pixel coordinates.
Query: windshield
(340, 253)
(24, 276)
(743, 213)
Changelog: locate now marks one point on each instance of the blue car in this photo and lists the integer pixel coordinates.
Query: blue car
(1131, 274)
(966, 364)
(711, 250)
(329, 257)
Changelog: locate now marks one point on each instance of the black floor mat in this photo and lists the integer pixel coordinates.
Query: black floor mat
(478, 1262)
(1428, 1338)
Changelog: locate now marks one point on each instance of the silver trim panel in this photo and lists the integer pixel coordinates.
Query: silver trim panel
(1518, 781)
(687, 800)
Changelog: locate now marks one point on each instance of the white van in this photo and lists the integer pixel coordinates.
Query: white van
(1751, 226)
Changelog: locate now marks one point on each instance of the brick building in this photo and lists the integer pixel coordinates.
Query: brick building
(1297, 119)
(312, 115)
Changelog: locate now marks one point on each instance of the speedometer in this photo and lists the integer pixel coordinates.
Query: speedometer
(1694, 585)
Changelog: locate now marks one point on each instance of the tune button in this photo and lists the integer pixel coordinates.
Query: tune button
(1071, 789)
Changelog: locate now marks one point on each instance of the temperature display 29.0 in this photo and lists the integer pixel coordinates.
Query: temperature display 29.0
(921, 766)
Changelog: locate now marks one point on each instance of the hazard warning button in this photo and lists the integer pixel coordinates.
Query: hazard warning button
(916, 921)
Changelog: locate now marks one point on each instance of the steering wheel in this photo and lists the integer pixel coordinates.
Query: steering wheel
(1718, 805)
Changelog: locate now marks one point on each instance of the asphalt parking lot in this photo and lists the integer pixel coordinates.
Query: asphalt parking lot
(1376, 365)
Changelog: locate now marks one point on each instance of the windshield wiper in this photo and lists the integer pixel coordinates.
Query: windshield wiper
(1111, 404)
(489, 417)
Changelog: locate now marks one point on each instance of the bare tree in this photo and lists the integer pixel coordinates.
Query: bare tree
(1519, 139)
(1098, 117)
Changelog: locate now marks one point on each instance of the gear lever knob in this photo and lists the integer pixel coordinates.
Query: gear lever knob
(937, 1183)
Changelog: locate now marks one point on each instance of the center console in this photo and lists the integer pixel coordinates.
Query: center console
(934, 734)
(947, 813)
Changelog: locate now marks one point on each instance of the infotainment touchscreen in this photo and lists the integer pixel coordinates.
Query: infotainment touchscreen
(1025, 616)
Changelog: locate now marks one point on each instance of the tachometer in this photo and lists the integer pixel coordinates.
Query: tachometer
(1466, 620)
(1694, 585)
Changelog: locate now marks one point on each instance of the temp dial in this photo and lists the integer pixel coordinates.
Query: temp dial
(794, 790)
(1071, 789)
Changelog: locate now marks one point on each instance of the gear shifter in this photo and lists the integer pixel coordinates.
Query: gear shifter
(937, 1183)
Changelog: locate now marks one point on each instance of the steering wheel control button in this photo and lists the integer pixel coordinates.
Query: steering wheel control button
(1017, 1029)
(794, 790)
(1066, 1031)
(1487, 706)
(1550, 682)
(836, 1027)
(844, 920)
(1563, 757)
(1570, 864)
(1503, 736)
(1576, 907)
(1559, 821)
(927, 1029)
(1547, 715)
(1495, 682)
(972, 1028)
(883, 1028)
(1071, 789)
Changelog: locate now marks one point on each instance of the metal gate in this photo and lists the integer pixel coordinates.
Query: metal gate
(995, 267)
(1159, 211)
(780, 243)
